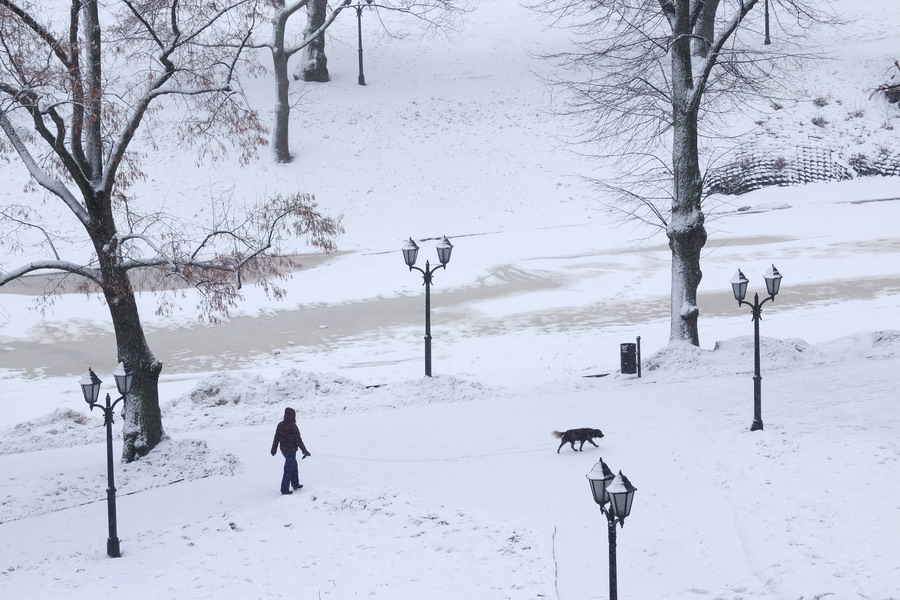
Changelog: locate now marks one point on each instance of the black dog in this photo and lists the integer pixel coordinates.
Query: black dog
(577, 435)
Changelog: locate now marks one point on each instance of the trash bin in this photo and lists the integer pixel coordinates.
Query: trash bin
(629, 358)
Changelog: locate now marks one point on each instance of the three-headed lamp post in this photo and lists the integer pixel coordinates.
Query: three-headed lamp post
(614, 494)
(410, 251)
(90, 387)
(739, 287)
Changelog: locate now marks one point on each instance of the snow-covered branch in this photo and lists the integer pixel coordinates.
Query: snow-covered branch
(43, 179)
(187, 91)
(51, 265)
(56, 46)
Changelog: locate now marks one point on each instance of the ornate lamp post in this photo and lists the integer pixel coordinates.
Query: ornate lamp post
(90, 387)
(739, 287)
(410, 251)
(618, 492)
(359, 8)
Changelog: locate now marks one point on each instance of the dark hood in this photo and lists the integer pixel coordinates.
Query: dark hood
(290, 415)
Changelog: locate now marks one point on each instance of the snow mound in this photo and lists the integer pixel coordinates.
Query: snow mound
(235, 398)
(62, 428)
(233, 388)
(228, 399)
(774, 355)
(865, 345)
(735, 356)
(174, 461)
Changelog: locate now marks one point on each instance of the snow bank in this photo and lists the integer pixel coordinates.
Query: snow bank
(227, 399)
(735, 356)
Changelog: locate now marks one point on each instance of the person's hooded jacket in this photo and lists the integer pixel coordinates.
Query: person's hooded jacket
(287, 435)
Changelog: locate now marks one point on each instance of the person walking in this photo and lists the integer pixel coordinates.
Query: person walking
(287, 435)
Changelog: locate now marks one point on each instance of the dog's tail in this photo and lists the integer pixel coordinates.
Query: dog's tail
(556, 434)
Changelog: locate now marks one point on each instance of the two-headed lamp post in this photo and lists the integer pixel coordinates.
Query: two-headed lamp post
(410, 251)
(739, 287)
(90, 387)
(618, 493)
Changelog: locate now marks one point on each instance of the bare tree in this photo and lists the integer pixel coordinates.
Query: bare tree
(645, 94)
(76, 87)
(435, 13)
(282, 51)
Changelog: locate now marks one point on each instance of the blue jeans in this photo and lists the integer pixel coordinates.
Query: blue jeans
(291, 471)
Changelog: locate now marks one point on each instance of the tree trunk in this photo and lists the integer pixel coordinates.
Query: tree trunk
(143, 428)
(281, 127)
(686, 232)
(142, 416)
(705, 27)
(314, 66)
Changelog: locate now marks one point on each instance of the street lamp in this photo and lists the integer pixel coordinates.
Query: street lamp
(359, 8)
(90, 387)
(618, 492)
(410, 251)
(739, 287)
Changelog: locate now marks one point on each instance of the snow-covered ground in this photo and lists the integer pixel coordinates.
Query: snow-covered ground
(451, 487)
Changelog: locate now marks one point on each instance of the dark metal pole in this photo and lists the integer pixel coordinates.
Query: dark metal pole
(639, 356)
(757, 378)
(427, 319)
(766, 12)
(613, 579)
(362, 78)
(112, 543)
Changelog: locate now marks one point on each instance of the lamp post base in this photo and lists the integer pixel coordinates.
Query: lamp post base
(112, 548)
(756, 426)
